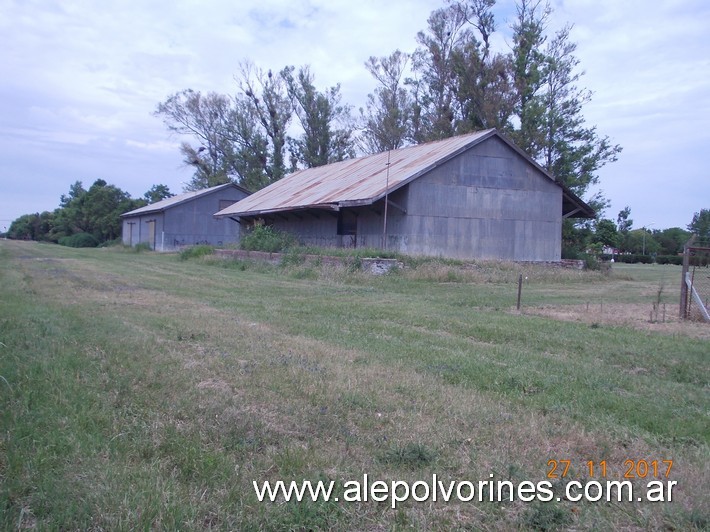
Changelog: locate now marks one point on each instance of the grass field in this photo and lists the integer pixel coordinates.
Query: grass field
(141, 391)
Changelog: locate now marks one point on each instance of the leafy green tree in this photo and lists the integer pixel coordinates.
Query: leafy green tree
(623, 222)
(575, 240)
(641, 241)
(102, 208)
(386, 119)
(206, 118)
(434, 114)
(572, 152)
(68, 218)
(95, 211)
(157, 193)
(267, 100)
(532, 93)
(243, 139)
(32, 227)
(671, 241)
(606, 233)
(700, 225)
(327, 126)
(528, 64)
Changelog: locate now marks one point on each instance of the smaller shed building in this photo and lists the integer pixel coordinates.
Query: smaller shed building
(184, 220)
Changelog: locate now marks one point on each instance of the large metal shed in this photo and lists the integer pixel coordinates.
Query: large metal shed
(185, 219)
(475, 196)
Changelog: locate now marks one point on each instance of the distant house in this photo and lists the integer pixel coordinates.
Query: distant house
(184, 220)
(475, 196)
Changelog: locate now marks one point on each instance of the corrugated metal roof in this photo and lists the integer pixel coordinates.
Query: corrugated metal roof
(358, 181)
(365, 180)
(161, 205)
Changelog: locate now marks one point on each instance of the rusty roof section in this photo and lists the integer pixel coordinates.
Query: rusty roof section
(172, 201)
(361, 181)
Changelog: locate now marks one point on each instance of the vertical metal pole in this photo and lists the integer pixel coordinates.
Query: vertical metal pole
(387, 187)
(520, 289)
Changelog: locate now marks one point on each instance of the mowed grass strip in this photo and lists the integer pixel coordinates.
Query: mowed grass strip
(143, 391)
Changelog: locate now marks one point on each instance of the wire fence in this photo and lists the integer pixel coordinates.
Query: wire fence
(695, 288)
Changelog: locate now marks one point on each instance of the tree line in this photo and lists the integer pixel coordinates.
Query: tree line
(604, 235)
(84, 218)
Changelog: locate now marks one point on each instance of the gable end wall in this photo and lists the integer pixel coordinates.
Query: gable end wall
(186, 224)
(487, 203)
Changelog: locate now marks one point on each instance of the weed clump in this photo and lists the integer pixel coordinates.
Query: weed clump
(196, 252)
(79, 240)
(411, 455)
(265, 238)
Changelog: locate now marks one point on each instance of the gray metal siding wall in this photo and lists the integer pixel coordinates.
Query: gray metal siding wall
(371, 222)
(311, 229)
(193, 222)
(137, 229)
(185, 224)
(487, 203)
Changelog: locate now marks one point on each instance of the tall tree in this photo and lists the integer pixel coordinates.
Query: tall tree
(95, 211)
(387, 114)
(606, 234)
(157, 193)
(482, 81)
(206, 118)
(671, 240)
(572, 152)
(700, 225)
(528, 63)
(434, 114)
(267, 100)
(623, 222)
(326, 123)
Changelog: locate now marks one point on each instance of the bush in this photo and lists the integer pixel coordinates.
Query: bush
(670, 259)
(634, 259)
(142, 246)
(111, 243)
(79, 240)
(571, 253)
(591, 262)
(195, 252)
(265, 238)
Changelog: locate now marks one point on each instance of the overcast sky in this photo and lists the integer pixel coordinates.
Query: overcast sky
(80, 80)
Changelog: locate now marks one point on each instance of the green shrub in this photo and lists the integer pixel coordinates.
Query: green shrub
(111, 243)
(143, 246)
(634, 259)
(591, 262)
(195, 252)
(265, 238)
(670, 259)
(571, 253)
(79, 240)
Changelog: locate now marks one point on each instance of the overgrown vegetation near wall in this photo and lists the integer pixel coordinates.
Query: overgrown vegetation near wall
(266, 238)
